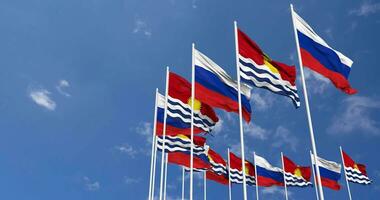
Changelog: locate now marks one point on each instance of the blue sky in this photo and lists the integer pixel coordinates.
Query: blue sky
(78, 78)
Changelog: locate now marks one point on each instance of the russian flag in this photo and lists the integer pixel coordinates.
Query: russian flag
(330, 173)
(317, 55)
(216, 88)
(267, 175)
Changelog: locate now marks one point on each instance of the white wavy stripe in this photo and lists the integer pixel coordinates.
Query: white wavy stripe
(359, 181)
(187, 169)
(350, 169)
(179, 144)
(202, 126)
(185, 112)
(303, 184)
(239, 179)
(189, 107)
(349, 174)
(206, 63)
(306, 29)
(179, 149)
(238, 174)
(279, 80)
(289, 176)
(293, 180)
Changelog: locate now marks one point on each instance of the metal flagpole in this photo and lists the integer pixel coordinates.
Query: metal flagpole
(256, 177)
(154, 165)
(240, 112)
(204, 185)
(153, 154)
(283, 171)
(192, 120)
(345, 174)
(229, 175)
(315, 178)
(166, 175)
(314, 148)
(183, 183)
(164, 133)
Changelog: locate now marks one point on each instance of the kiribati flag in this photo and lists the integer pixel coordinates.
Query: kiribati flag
(355, 172)
(200, 159)
(329, 171)
(236, 172)
(257, 69)
(218, 171)
(267, 175)
(317, 55)
(296, 175)
(181, 143)
(216, 88)
(179, 105)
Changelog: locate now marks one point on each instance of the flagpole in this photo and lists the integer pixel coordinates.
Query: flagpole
(166, 174)
(256, 177)
(152, 161)
(240, 112)
(314, 148)
(345, 174)
(229, 175)
(183, 183)
(283, 171)
(192, 119)
(164, 133)
(315, 179)
(154, 165)
(204, 186)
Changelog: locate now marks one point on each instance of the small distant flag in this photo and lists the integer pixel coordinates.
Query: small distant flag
(216, 88)
(268, 175)
(181, 143)
(317, 55)
(179, 102)
(236, 174)
(257, 69)
(218, 171)
(296, 175)
(355, 172)
(329, 171)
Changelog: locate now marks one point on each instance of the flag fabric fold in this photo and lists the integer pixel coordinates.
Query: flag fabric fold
(218, 171)
(236, 174)
(295, 175)
(268, 175)
(329, 171)
(355, 172)
(217, 89)
(200, 160)
(257, 69)
(317, 55)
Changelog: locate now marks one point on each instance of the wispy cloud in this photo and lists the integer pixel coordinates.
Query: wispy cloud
(262, 101)
(42, 98)
(356, 116)
(130, 180)
(256, 131)
(127, 149)
(62, 85)
(274, 191)
(141, 27)
(316, 83)
(218, 127)
(194, 4)
(91, 185)
(366, 8)
(145, 129)
(283, 137)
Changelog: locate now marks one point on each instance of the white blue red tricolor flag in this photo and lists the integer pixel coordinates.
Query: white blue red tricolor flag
(317, 55)
(268, 175)
(295, 175)
(257, 69)
(216, 88)
(329, 171)
(236, 173)
(355, 172)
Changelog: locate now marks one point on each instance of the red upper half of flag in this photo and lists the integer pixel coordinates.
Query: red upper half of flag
(180, 88)
(183, 159)
(222, 179)
(291, 167)
(249, 49)
(235, 163)
(349, 162)
(216, 157)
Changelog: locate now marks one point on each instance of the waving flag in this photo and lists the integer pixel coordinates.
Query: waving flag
(181, 143)
(236, 174)
(218, 171)
(317, 55)
(296, 175)
(329, 171)
(267, 175)
(200, 159)
(355, 172)
(257, 69)
(216, 88)
(179, 103)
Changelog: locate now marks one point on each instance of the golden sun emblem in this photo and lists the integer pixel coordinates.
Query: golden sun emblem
(197, 104)
(298, 173)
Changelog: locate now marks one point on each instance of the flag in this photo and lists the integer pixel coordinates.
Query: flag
(174, 124)
(267, 175)
(179, 103)
(296, 175)
(218, 171)
(329, 171)
(181, 143)
(355, 172)
(200, 159)
(216, 88)
(257, 69)
(317, 55)
(236, 174)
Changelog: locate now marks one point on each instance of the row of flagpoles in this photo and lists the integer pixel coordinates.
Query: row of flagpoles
(187, 108)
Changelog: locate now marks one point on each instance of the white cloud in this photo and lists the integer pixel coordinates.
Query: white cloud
(41, 97)
(194, 4)
(279, 191)
(329, 33)
(356, 116)
(127, 149)
(366, 8)
(256, 131)
(262, 101)
(283, 137)
(91, 185)
(315, 82)
(141, 27)
(145, 129)
(218, 127)
(129, 180)
(62, 84)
